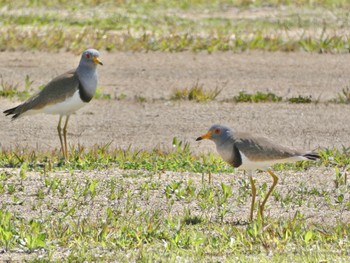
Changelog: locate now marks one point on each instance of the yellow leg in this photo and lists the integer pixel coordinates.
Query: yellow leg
(253, 196)
(262, 206)
(65, 137)
(59, 130)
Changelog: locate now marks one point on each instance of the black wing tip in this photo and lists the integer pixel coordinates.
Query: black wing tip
(15, 116)
(12, 112)
(8, 112)
(312, 156)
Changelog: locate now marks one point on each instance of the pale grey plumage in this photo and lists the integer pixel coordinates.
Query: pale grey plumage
(64, 94)
(63, 87)
(248, 152)
(234, 146)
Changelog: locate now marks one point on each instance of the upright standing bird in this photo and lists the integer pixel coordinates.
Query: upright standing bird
(247, 152)
(64, 94)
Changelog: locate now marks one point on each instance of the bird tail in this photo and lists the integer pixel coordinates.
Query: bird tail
(12, 111)
(312, 156)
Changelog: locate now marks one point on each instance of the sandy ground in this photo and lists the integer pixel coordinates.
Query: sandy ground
(154, 76)
(154, 123)
(311, 192)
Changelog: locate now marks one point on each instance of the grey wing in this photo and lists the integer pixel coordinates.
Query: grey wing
(262, 149)
(55, 91)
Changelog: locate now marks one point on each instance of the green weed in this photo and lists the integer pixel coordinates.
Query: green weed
(127, 229)
(121, 96)
(196, 93)
(343, 97)
(140, 99)
(257, 97)
(10, 91)
(100, 95)
(182, 4)
(126, 205)
(300, 99)
(179, 158)
(155, 26)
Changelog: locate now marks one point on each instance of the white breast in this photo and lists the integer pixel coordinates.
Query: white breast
(248, 164)
(66, 107)
(225, 151)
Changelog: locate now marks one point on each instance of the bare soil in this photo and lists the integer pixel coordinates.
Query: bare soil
(154, 122)
(154, 76)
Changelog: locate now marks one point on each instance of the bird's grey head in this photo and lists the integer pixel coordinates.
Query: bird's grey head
(217, 133)
(90, 58)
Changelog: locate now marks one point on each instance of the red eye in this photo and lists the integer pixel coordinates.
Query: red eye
(217, 131)
(88, 56)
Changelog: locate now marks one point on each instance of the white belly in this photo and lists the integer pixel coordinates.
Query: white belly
(263, 165)
(66, 107)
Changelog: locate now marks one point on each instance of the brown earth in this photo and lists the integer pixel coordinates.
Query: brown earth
(310, 193)
(154, 122)
(154, 76)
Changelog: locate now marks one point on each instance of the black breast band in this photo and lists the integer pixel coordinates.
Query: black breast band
(85, 96)
(237, 158)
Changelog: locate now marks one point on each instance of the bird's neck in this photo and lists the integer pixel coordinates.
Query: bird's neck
(88, 78)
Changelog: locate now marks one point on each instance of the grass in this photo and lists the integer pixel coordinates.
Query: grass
(179, 158)
(100, 95)
(153, 239)
(300, 99)
(343, 97)
(135, 205)
(182, 4)
(257, 97)
(159, 206)
(102, 158)
(196, 93)
(140, 99)
(9, 90)
(316, 26)
(260, 96)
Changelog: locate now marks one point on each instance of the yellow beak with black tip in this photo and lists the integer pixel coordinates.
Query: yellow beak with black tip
(96, 60)
(204, 136)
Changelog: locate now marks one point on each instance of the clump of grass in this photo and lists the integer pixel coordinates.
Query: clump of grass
(80, 215)
(100, 95)
(150, 25)
(343, 97)
(300, 99)
(121, 96)
(257, 97)
(178, 158)
(196, 93)
(9, 90)
(182, 4)
(155, 216)
(140, 99)
(335, 157)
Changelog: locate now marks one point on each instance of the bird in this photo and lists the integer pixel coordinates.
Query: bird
(64, 94)
(248, 152)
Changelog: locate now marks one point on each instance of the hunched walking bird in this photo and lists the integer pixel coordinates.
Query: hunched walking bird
(247, 152)
(64, 94)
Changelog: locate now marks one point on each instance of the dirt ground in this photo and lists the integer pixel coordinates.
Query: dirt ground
(154, 76)
(154, 122)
